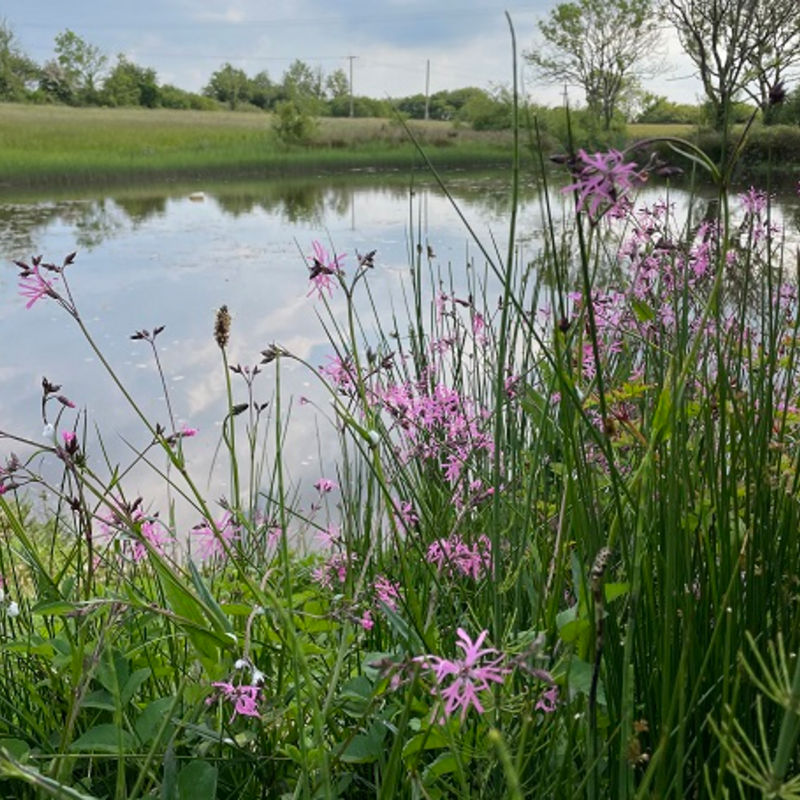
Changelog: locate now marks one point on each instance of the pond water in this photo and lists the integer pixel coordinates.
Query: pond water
(171, 255)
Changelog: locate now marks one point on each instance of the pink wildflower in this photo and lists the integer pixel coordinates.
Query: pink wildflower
(325, 485)
(323, 270)
(33, 286)
(244, 698)
(209, 542)
(454, 556)
(602, 180)
(386, 592)
(467, 677)
(366, 621)
(548, 702)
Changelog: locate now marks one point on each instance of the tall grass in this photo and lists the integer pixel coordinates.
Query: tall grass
(48, 146)
(559, 556)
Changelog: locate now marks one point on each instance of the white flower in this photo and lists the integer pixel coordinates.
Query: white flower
(49, 431)
(12, 610)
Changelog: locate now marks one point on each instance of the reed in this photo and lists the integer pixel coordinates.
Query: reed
(558, 556)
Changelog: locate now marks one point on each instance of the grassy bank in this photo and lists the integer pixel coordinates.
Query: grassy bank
(54, 145)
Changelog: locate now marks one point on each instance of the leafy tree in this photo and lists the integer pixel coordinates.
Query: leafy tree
(18, 73)
(337, 84)
(228, 85)
(603, 46)
(82, 65)
(262, 91)
(489, 112)
(658, 110)
(738, 46)
(305, 87)
(128, 84)
(292, 124)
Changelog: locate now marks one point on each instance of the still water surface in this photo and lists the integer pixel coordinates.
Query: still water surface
(172, 255)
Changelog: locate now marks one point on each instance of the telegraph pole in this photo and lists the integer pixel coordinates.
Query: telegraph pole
(427, 88)
(351, 58)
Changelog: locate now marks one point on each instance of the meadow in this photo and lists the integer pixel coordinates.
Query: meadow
(558, 558)
(59, 145)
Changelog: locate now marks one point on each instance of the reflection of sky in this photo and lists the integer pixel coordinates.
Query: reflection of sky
(174, 262)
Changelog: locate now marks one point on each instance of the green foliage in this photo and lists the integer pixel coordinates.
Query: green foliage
(230, 86)
(600, 46)
(659, 110)
(82, 65)
(128, 84)
(292, 124)
(18, 73)
(620, 472)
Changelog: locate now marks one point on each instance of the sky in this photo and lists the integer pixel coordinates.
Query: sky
(398, 45)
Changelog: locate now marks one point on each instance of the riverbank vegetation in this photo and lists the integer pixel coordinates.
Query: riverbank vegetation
(60, 146)
(557, 555)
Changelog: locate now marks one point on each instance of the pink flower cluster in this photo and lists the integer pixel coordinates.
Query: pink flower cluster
(459, 682)
(245, 698)
(207, 538)
(454, 556)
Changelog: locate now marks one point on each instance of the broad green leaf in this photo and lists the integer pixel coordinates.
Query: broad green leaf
(614, 590)
(430, 739)
(102, 698)
(643, 312)
(132, 685)
(579, 677)
(575, 631)
(150, 720)
(362, 749)
(444, 764)
(16, 748)
(103, 739)
(197, 781)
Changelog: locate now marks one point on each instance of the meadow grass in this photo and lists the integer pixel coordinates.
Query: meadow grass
(52, 145)
(559, 556)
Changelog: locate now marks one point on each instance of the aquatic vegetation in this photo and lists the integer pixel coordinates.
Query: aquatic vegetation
(558, 556)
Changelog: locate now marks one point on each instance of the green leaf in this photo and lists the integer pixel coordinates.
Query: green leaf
(612, 591)
(103, 739)
(16, 748)
(580, 679)
(133, 684)
(444, 764)
(363, 749)
(575, 631)
(430, 739)
(149, 721)
(100, 699)
(643, 312)
(197, 781)
(112, 671)
(58, 608)
(217, 615)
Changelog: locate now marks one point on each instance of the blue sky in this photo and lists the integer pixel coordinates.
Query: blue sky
(467, 42)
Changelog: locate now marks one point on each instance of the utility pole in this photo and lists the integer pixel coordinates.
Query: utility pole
(352, 111)
(427, 88)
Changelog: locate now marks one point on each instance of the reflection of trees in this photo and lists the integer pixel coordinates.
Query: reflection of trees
(140, 209)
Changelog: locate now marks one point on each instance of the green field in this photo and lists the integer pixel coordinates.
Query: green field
(51, 145)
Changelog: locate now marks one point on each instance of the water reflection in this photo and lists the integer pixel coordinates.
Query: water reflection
(171, 256)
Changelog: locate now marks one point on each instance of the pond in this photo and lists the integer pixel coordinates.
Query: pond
(172, 255)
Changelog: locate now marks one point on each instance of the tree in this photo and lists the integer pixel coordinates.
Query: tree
(262, 91)
(337, 84)
(738, 46)
(603, 46)
(305, 87)
(18, 73)
(128, 84)
(81, 66)
(228, 85)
